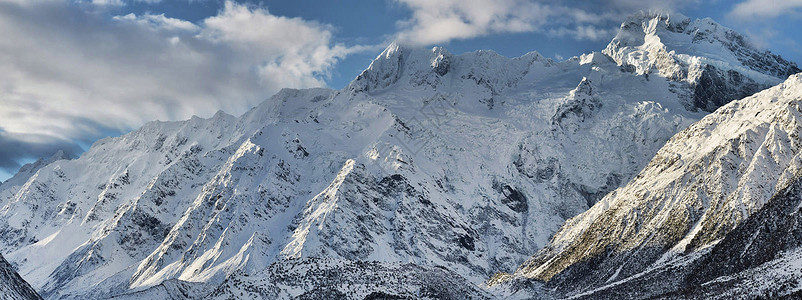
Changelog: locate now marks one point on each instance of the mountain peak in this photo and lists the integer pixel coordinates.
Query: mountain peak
(385, 70)
(583, 88)
(578, 106)
(30, 168)
(718, 63)
(399, 59)
(436, 68)
(653, 20)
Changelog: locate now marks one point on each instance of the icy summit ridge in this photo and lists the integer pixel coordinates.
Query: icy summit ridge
(717, 63)
(706, 63)
(437, 68)
(29, 169)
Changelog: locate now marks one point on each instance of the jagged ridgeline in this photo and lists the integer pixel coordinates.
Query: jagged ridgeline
(426, 175)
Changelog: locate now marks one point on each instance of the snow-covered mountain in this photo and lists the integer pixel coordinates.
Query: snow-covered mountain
(719, 200)
(714, 63)
(12, 185)
(429, 165)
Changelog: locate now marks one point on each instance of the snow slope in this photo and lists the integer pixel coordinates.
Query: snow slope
(760, 258)
(427, 163)
(11, 186)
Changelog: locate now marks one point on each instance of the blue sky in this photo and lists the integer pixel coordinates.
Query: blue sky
(72, 72)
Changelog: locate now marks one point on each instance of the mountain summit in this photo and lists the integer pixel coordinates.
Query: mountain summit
(715, 62)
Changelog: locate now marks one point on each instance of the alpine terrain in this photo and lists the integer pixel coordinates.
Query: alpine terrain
(431, 172)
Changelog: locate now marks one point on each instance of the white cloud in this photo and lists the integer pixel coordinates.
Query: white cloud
(765, 8)
(441, 21)
(303, 47)
(435, 22)
(583, 32)
(71, 74)
(671, 5)
(108, 2)
(159, 22)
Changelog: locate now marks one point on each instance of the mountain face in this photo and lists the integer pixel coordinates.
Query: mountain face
(12, 286)
(760, 257)
(336, 279)
(721, 197)
(12, 185)
(714, 63)
(430, 171)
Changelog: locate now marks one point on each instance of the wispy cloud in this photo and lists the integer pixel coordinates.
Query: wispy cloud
(69, 73)
(759, 20)
(13, 146)
(442, 21)
(108, 2)
(751, 9)
(583, 32)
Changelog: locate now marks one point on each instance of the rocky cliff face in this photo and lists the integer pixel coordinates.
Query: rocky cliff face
(428, 164)
(12, 286)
